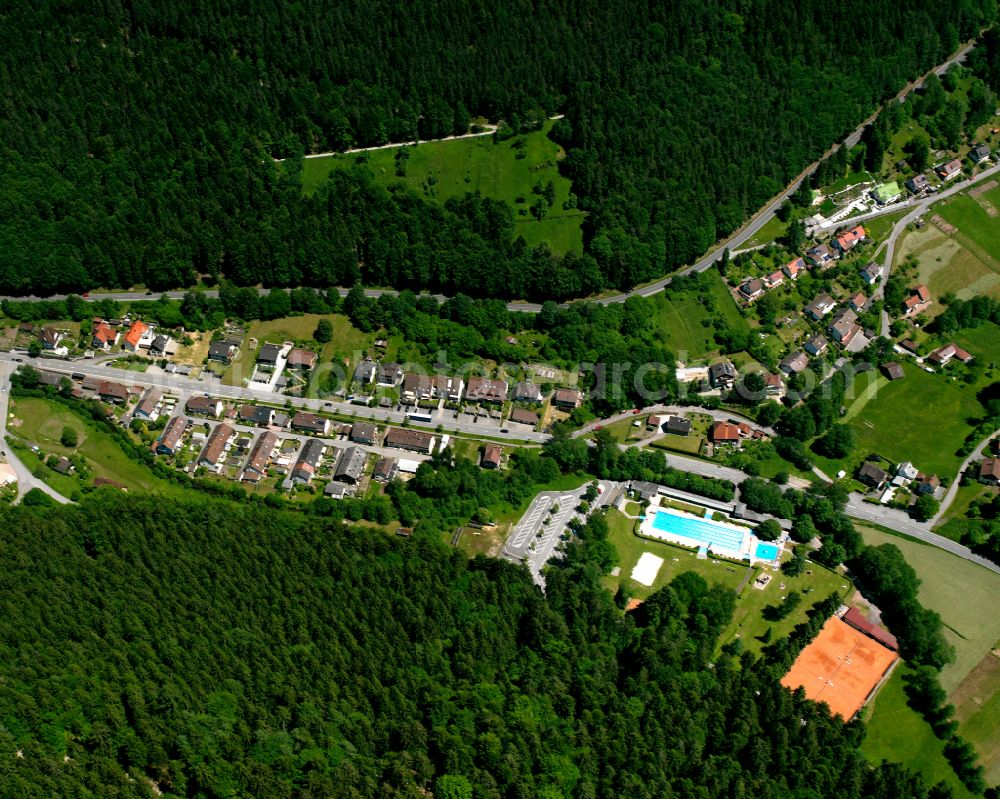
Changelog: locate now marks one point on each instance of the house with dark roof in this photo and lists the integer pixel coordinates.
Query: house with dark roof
(678, 425)
(751, 289)
(893, 370)
(979, 153)
(256, 466)
(989, 471)
(492, 454)
(484, 389)
(816, 345)
(949, 170)
(722, 375)
(269, 354)
(50, 338)
(917, 184)
(416, 388)
(301, 359)
(46, 378)
(223, 351)
(388, 375)
(385, 469)
(448, 388)
(871, 273)
(203, 406)
(527, 392)
(109, 391)
(351, 465)
(821, 255)
(215, 447)
(335, 491)
(147, 405)
(364, 372)
(872, 475)
(256, 415)
(404, 438)
(310, 423)
(364, 433)
(309, 460)
(171, 437)
(159, 345)
(567, 399)
(821, 306)
(844, 327)
(794, 363)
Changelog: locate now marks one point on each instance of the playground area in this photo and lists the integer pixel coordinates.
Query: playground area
(719, 538)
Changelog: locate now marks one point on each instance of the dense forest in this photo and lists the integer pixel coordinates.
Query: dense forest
(208, 649)
(137, 138)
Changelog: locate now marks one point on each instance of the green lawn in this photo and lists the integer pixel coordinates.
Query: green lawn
(957, 589)
(898, 734)
(685, 321)
(983, 342)
(675, 560)
(973, 223)
(773, 230)
(922, 418)
(945, 266)
(977, 708)
(848, 180)
(42, 422)
(440, 170)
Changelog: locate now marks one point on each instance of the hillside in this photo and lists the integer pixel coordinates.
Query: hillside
(220, 650)
(138, 137)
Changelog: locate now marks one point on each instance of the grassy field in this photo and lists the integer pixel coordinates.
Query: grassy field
(974, 223)
(675, 560)
(773, 230)
(41, 421)
(899, 734)
(684, 320)
(945, 266)
(959, 591)
(928, 433)
(982, 341)
(977, 708)
(440, 170)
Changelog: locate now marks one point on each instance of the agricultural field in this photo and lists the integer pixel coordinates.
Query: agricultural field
(928, 434)
(41, 421)
(977, 222)
(946, 267)
(438, 171)
(960, 591)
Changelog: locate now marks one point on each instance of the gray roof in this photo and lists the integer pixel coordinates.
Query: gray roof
(351, 465)
(269, 353)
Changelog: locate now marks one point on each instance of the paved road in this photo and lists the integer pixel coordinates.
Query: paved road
(25, 479)
(717, 414)
(949, 496)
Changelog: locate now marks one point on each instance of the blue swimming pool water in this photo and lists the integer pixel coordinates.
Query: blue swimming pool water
(700, 531)
(766, 551)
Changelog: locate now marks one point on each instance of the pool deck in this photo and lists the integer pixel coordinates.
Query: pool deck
(747, 550)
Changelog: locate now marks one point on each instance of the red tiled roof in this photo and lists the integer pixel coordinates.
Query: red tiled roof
(135, 333)
(724, 431)
(880, 634)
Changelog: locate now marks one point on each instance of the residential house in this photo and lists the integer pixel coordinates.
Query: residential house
(794, 268)
(678, 425)
(388, 375)
(887, 193)
(309, 460)
(416, 388)
(364, 433)
(310, 423)
(872, 475)
(256, 465)
(917, 302)
(918, 183)
(949, 170)
(775, 279)
(484, 389)
(816, 345)
(821, 306)
(772, 384)
(203, 406)
(491, 456)
(928, 484)
(893, 371)
(351, 466)
(942, 355)
(850, 239)
(137, 335)
(724, 433)
(223, 351)
(844, 327)
(751, 289)
(858, 302)
(46, 378)
(335, 491)
(211, 456)
(364, 372)
(385, 469)
(527, 392)
(146, 409)
(906, 472)
(871, 273)
(256, 415)
(989, 471)
(50, 338)
(821, 255)
(269, 354)
(104, 336)
(301, 359)
(170, 439)
(910, 346)
(521, 416)
(567, 398)
(448, 388)
(979, 153)
(794, 363)
(417, 440)
(722, 375)
(159, 345)
(112, 392)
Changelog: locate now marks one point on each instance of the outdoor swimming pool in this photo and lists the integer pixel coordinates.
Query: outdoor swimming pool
(766, 551)
(700, 531)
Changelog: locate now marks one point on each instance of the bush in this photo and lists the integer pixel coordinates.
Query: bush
(68, 437)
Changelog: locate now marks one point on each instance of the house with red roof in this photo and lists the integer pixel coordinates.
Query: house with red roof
(917, 302)
(134, 336)
(847, 241)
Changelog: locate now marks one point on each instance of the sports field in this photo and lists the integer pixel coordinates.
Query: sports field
(438, 171)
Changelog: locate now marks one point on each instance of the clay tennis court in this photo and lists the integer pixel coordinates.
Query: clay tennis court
(841, 667)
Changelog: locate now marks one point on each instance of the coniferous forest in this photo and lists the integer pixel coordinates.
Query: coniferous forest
(207, 649)
(138, 137)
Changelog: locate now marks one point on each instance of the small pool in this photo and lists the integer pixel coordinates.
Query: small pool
(766, 551)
